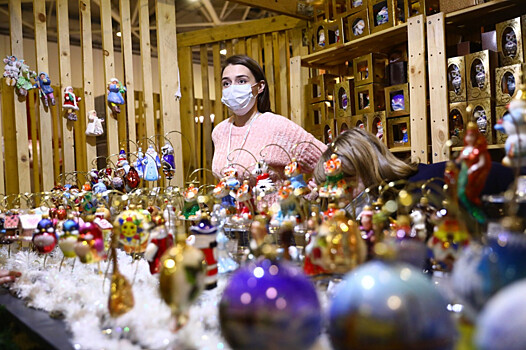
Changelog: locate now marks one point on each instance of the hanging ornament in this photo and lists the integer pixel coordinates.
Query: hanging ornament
(181, 278)
(270, 305)
(168, 161)
(121, 298)
(115, 94)
(70, 104)
(44, 237)
(130, 226)
(287, 205)
(25, 74)
(205, 240)
(69, 237)
(296, 178)
(90, 244)
(222, 191)
(43, 83)
(335, 187)
(392, 306)
(132, 178)
(160, 241)
(225, 263)
(264, 184)
(152, 163)
(94, 127)
(191, 209)
(11, 70)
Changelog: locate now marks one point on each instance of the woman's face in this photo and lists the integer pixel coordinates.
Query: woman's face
(238, 74)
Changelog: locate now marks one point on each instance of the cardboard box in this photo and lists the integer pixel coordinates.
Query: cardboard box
(344, 99)
(321, 88)
(377, 123)
(318, 114)
(399, 132)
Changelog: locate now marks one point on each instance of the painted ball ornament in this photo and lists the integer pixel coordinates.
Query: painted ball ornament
(385, 306)
(68, 238)
(44, 237)
(270, 305)
(90, 244)
(130, 227)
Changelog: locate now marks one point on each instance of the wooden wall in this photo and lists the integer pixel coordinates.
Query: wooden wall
(40, 143)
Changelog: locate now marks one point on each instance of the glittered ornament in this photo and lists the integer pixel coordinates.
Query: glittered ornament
(160, 242)
(270, 305)
(90, 244)
(68, 238)
(385, 306)
(205, 239)
(501, 324)
(44, 237)
(132, 178)
(182, 278)
(130, 227)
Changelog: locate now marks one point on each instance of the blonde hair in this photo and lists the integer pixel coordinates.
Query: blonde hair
(364, 155)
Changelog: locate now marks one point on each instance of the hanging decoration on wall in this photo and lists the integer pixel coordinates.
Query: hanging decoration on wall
(25, 74)
(152, 163)
(115, 94)
(168, 161)
(11, 70)
(94, 127)
(43, 83)
(70, 104)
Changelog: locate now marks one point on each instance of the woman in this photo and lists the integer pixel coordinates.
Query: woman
(253, 126)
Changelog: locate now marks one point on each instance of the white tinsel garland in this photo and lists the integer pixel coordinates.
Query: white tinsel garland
(78, 294)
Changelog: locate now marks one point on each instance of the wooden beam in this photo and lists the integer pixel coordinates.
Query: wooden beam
(416, 52)
(87, 76)
(269, 69)
(299, 77)
(240, 30)
(3, 100)
(169, 78)
(146, 63)
(20, 113)
(218, 106)
(46, 131)
(284, 7)
(207, 110)
(438, 95)
(64, 66)
(127, 52)
(112, 119)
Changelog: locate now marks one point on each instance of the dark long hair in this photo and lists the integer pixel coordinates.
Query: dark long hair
(263, 98)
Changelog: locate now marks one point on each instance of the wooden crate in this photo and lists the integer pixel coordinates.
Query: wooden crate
(399, 134)
(458, 121)
(343, 124)
(479, 110)
(359, 121)
(377, 123)
(393, 106)
(510, 41)
(329, 131)
(391, 11)
(356, 25)
(480, 70)
(500, 112)
(370, 68)
(334, 33)
(344, 98)
(358, 5)
(369, 98)
(318, 37)
(456, 79)
(507, 81)
(321, 88)
(318, 114)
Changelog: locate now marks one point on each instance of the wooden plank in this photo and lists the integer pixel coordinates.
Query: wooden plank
(416, 52)
(239, 47)
(81, 145)
(229, 48)
(269, 70)
(261, 44)
(126, 39)
(87, 80)
(218, 106)
(10, 143)
(22, 175)
(33, 117)
(278, 84)
(248, 45)
(64, 66)
(297, 91)
(198, 126)
(45, 117)
(187, 106)
(146, 63)
(112, 120)
(284, 72)
(238, 30)
(2, 154)
(169, 78)
(256, 49)
(57, 154)
(438, 95)
(207, 110)
(285, 7)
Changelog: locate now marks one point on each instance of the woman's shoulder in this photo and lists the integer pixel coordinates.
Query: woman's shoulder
(221, 127)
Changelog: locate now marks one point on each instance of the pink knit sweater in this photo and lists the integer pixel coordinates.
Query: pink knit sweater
(266, 129)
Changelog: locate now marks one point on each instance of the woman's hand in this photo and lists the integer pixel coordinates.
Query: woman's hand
(7, 276)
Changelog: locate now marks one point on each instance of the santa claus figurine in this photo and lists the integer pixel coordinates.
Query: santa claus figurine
(70, 104)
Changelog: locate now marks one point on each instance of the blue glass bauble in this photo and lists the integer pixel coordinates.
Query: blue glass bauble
(501, 324)
(270, 305)
(387, 306)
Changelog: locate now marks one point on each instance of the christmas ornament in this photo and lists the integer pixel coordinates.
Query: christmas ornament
(382, 16)
(287, 206)
(94, 127)
(132, 178)
(295, 176)
(131, 229)
(335, 187)
(90, 244)
(270, 305)
(11, 70)
(181, 277)
(121, 298)
(386, 306)
(152, 163)
(398, 102)
(70, 104)
(168, 161)
(225, 263)
(69, 237)
(43, 83)
(115, 92)
(139, 163)
(264, 184)
(44, 237)
(205, 240)
(160, 242)
(191, 207)
(23, 83)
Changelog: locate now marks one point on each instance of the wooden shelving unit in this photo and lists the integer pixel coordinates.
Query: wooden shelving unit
(488, 13)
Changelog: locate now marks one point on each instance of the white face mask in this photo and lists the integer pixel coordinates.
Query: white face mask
(239, 98)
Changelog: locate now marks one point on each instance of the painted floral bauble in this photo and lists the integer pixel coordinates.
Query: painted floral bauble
(44, 237)
(130, 227)
(181, 280)
(90, 244)
(385, 306)
(501, 324)
(68, 238)
(270, 305)
(482, 270)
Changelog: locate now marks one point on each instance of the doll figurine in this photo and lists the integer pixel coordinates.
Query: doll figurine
(139, 163)
(191, 210)
(152, 163)
(23, 83)
(264, 184)
(510, 47)
(168, 161)
(123, 166)
(115, 92)
(160, 241)
(358, 27)
(475, 163)
(43, 83)
(382, 16)
(405, 136)
(295, 176)
(94, 127)
(456, 79)
(11, 70)
(335, 187)
(380, 130)
(70, 104)
(514, 126)
(480, 76)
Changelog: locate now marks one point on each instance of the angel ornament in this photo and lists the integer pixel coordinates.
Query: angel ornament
(70, 104)
(152, 163)
(115, 92)
(11, 70)
(94, 127)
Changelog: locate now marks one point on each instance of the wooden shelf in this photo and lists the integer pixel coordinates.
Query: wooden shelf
(486, 14)
(490, 147)
(400, 149)
(377, 42)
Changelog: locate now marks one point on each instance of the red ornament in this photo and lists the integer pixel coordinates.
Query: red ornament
(44, 237)
(132, 178)
(90, 244)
